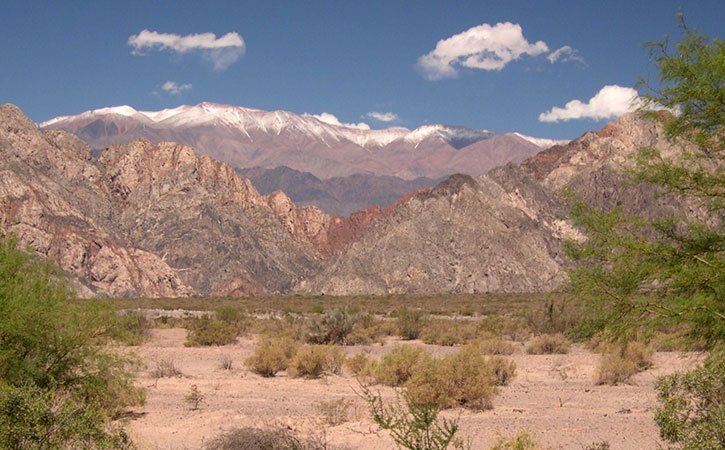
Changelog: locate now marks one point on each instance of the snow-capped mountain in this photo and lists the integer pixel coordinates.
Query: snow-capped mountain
(248, 137)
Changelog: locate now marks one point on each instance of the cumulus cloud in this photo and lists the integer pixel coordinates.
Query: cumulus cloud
(332, 120)
(484, 47)
(382, 116)
(565, 54)
(611, 101)
(174, 88)
(221, 52)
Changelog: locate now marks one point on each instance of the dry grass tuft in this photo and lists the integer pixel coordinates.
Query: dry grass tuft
(549, 344)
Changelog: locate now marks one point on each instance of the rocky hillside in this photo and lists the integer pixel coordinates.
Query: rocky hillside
(341, 196)
(145, 219)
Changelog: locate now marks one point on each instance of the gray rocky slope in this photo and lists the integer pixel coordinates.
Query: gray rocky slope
(146, 219)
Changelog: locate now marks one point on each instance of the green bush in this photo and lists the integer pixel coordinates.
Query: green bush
(492, 346)
(206, 331)
(411, 323)
(522, 441)
(312, 361)
(272, 355)
(234, 316)
(332, 327)
(466, 379)
(692, 412)
(619, 364)
(412, 425)
(59, 384)
(357, 363)
(132, 328)
(549, 344)
(448, 332)
(396, 366)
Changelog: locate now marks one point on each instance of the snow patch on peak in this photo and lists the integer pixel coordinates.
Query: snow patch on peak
(457, 137)
(542, 142)
(123, 110)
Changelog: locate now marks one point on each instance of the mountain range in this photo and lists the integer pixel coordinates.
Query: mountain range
(159, 219)
(366, 166)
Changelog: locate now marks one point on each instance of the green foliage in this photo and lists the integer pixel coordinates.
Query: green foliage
(411, 323)
(59, 384)
(619, 363)
(693, 406)
(194, 398)
(132, 328)
(332, 327)
(522, 441)
(312, 361)
(412, 425)
(548, 344)
(272, 355)
(671, 270)
(206, 331)
(396, 366)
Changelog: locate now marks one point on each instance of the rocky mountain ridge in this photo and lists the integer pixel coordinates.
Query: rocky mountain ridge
(248, 137)
(146, 219)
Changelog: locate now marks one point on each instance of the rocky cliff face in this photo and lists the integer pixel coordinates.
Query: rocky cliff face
(145, 219)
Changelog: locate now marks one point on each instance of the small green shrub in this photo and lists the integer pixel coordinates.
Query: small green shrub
(261, 439)
(357, 363)
(522, 441)
(411, 323)
(548, 344)
(312, 361)
(272, 355)
(619, 364)
(131, 328)
(448, 332)
(692, 411)
(206, 332)
(194, 398)
(234, 316)
(412, 425)
(492, 346)
(465, 379)
(332, 327)
(396, 366)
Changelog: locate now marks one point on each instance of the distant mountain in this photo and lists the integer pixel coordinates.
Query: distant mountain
(145, 219)
(246, 137)
(338, 195)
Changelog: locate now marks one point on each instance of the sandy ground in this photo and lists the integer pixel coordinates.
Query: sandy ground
(553, 397)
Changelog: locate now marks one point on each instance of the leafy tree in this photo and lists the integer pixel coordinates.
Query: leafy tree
(59, 385)
(640, 274)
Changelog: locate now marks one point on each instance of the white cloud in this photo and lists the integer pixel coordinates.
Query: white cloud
(174, 88)
(565, 54)
(221, 52)
(482, 47)
(611, 101)
(332, 120)
(382, 116)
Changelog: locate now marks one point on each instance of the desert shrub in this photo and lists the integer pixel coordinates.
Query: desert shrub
(619, 364)
(554, 316)
(692, 411)
(491, 345)
(332, 327)
(448, 332)
(206, 331)
(194, 398)
(59, 383)
(312, 361)
(514, 328)
(272, 355)
(132, 328)
(548, 344)
(522, 441)
(412, 425)
(601, 445)
(369, 330)
(411, 323)
(261, 439)
(165, 368)
(396, 366)
(357, 363)
(465, 379)
(503, 369)
(334, 412)
(234, 316)
(291, 326)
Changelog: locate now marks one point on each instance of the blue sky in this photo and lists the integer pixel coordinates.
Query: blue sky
(345, 58)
